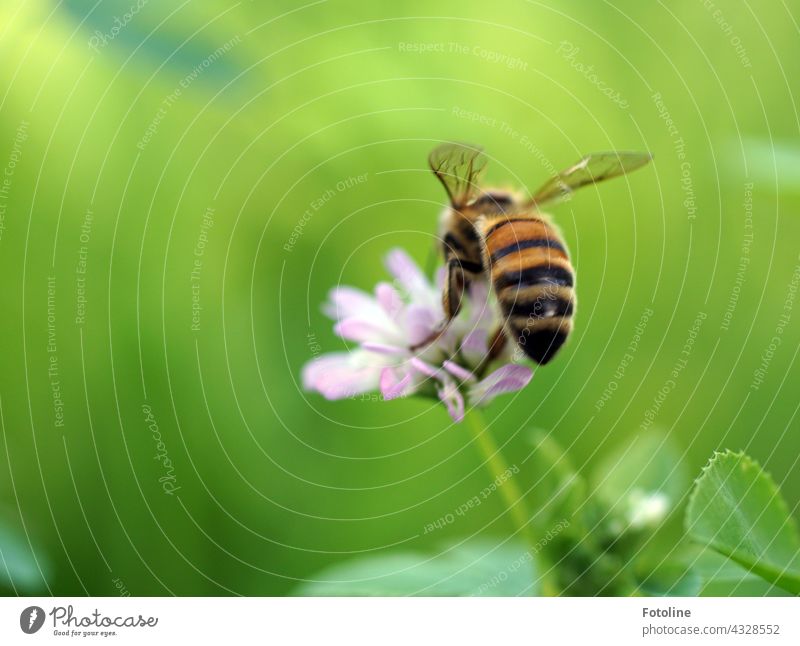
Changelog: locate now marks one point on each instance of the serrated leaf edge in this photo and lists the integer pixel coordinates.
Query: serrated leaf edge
(789, 583)
(718, 455)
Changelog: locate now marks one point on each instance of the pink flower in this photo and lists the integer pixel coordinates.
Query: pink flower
(398, 316)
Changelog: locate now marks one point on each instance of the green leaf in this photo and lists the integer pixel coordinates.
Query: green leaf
(18, 569)
(722, 577)
(648, 468)
(737, 510)
(559, 489)
(671, 580)
(474, 568)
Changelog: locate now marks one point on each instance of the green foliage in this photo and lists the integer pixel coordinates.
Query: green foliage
(20, 572)
(721, 577)
(737, 510)
(558, 489)
(610, 518)
(648, 465)
(583, 537)
(472, 568)
(277, 484)
(602, 543)
(670, 580)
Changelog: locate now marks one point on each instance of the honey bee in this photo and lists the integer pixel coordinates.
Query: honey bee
(502, 237)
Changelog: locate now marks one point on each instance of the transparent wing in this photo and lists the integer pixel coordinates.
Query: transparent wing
(592, 169)
(459, 168)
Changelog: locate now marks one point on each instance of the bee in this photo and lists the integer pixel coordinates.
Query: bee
(502, 237)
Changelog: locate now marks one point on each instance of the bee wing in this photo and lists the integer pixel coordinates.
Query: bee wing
(459, 168)
(592, 169)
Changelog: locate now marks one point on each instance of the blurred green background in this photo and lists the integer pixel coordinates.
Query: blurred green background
(131, 132)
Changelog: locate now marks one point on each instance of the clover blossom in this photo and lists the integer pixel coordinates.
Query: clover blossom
(399, 316)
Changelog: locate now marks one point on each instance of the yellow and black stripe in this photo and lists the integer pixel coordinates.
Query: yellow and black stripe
(533, 280)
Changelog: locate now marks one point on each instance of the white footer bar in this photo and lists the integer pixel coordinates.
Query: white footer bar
(401, 621)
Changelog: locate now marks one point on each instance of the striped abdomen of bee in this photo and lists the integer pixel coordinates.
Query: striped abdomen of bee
(532, 279)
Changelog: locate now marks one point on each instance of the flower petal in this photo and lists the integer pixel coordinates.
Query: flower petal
(452, 398)
(410, 277)
(425, 368)
(396, 382)
(475, 345)
(344, 302)
(389, 299)
(341, 374)
(482, 313)
(457, 371)
(420, 323)
(479, 296)
(439, 278)
(506, 379)
(382, 348)
(364, 330)
(360, 317)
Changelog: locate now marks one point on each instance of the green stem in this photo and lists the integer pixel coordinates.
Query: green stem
(513, 497)
(498, 467)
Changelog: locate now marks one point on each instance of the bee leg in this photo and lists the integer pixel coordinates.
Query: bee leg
(497, 343)
(454, 286)
(431, 338)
